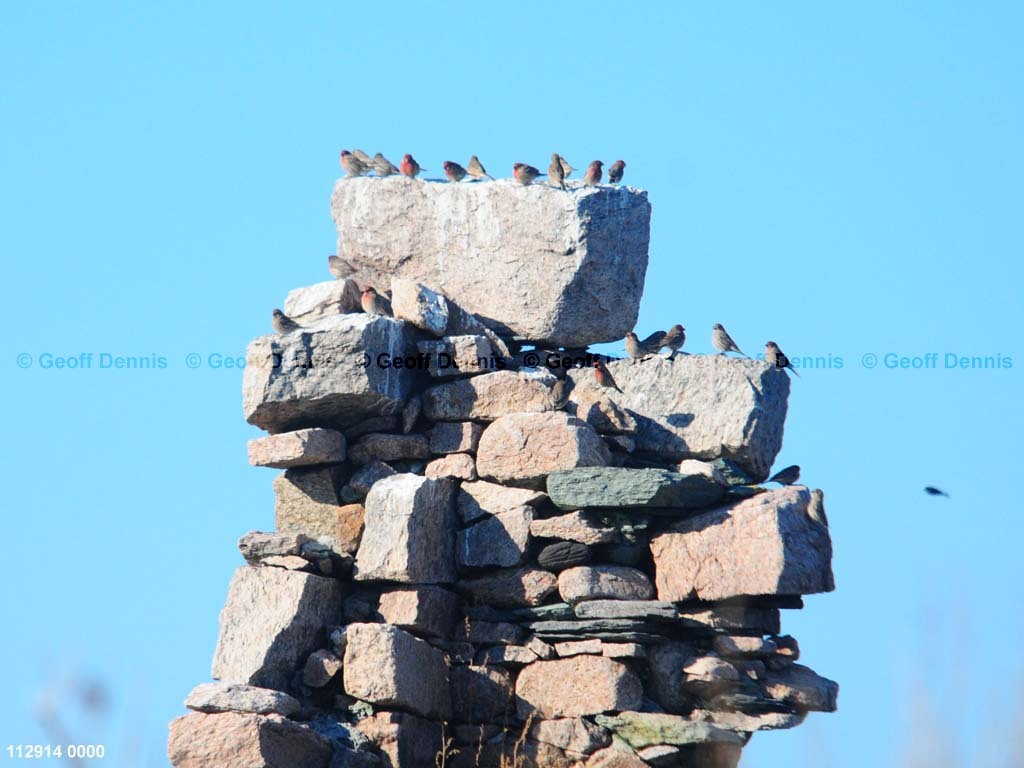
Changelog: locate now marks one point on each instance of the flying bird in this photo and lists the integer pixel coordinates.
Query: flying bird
(592, 176)
(339, 267)
(777, 357)
(384, 167)
(410, 167)
(362, 157)
(524, 174)
(374, 304)
(931, 490)
(604, 376)
(722, 341)
(476, 169)
(674, 339)
(454, 171)
(282, 323)
(352, 165)
(786, 476)
(615, 171)
(566, 168)
(556, 173)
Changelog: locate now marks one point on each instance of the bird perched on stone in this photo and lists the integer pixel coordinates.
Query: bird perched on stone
(566, 168)
(931, 490)
(722, 341)
(374, 304)
(615, 171)
(282, 323)
(476, 169)
(592, 176)
(352, 165)
(604, 376)
(637, 348)
(559, 395)
(556, 174)
(786, 476)
(362, 157)
(410, 167)
(524, 174)
(383, 167)
(454, 171)
(674, 339)
(776, 357)
(339, 267)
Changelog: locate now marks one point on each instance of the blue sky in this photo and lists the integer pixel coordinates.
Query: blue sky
(845, 180)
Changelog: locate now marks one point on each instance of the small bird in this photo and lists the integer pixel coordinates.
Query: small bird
(777, 357)
(592, 176)
(722, 341)
(615, 171)
(282, 323)
(559, 395)
(931, 490)
(352, 165)
(786, 476)
(566, 168)
(604, 376)
(410, 167)
(674, 339)
(339, 267)
(524, 174)
(556, 174)
(362, 157)
(374, 304)
(639, 349)
(383, 167)
(454, 171)
(476, 169)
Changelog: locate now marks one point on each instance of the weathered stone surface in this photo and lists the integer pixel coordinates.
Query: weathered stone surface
(386, 447)
(535, 263)
(510, 588)
(509, 748)
(257, 545)
(481, 694)
(411, 414)
(645, 729)
(596, 582)
(709, 670)
(492, 633)
(244, 739)
(523, 448)
(575, 526)
(455, 437)
(571, 733)
(389, 667)
(368, 474)
(320, 669)
(506, 655)
(308, 503)
(489, 396)
(614, 487)
(405, 740)
(498, 541)
(372, 424)
(576, 647)
(232, 697)
(457, 465)
(615, 756)
(739, 645)
(480, 498)
(603, 414)
(769, 544)
(458, 355)
(272, 620)
(563, 554)
(291, 562)
(314, 302)
(427, 611)
(598, 685)
(700, 407)
(748, 723)
(623, 650)
(408, 533)
(318, 377)
(417, 304)
(625, 609)
(802, 688)
(709, 469)
(301, 448)
(664, 684)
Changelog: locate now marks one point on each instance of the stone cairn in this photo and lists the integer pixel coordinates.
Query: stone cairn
(468, 572)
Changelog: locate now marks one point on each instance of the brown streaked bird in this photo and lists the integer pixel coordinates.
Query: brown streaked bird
(604, 376)
(454, 171)
(559, 395)
(410, 167)
(524, 174)
(374, 304)
(786, 476)
(556, 173)
(476, 169)
(615, 171)
(674, 339)
(592, 176)
(637, 348)
(566, 168)
(383, 167)
(777, 357)
(282, 323)
(362, 157)
(722, 341)
(352, 165)
(339, 267)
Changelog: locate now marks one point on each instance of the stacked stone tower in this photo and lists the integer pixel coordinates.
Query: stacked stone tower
(467, 569)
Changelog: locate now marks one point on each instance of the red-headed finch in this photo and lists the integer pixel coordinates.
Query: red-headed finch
(282, 323)
(476, 169)
(604, 376)
(722, 341)
(556, 174)
(777, 357)
(615, 171)
(410, 167)
(566, 168)
(352, 165)
(592, 176)
(524, 174)
(383, 167)
(674, 339)
(374, 304)
(454, 171)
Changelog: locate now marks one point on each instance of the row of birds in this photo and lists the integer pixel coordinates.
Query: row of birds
(358, 163)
